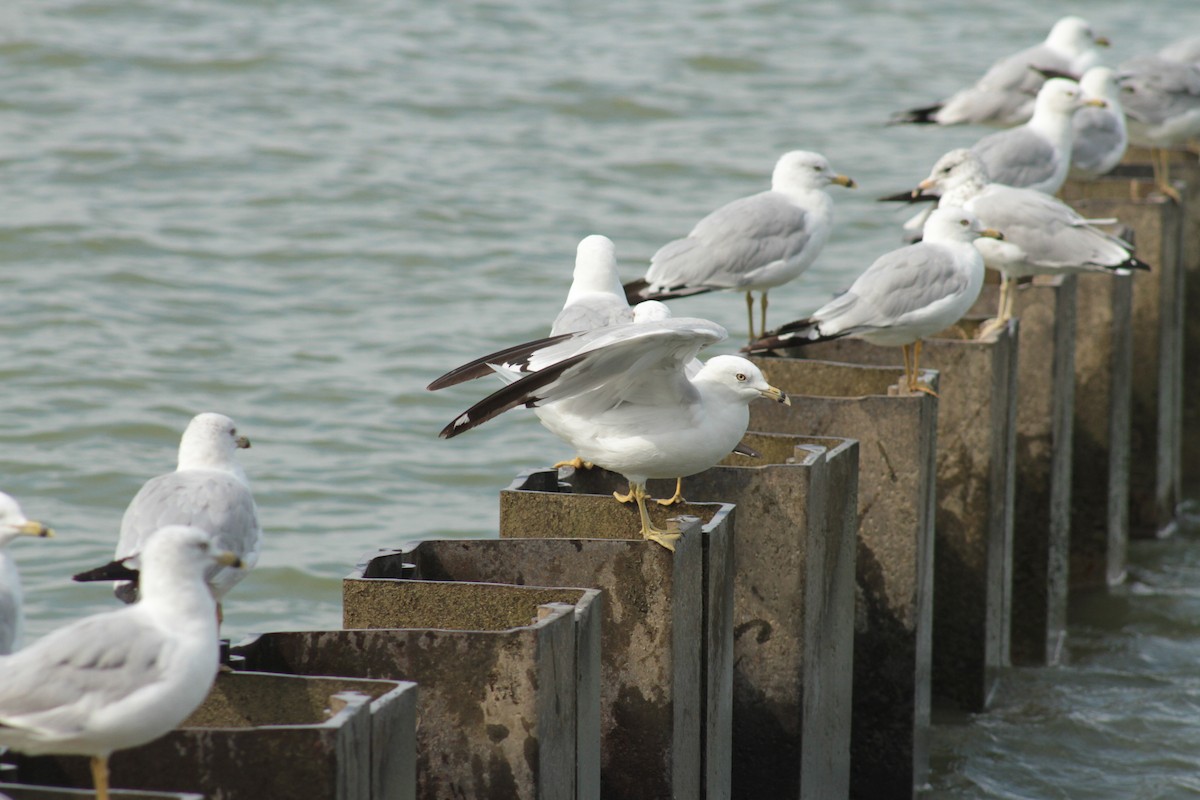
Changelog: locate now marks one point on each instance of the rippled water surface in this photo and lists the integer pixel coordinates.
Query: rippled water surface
(299, 213)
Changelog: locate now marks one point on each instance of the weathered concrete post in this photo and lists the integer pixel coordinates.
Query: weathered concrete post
(889, 739)
(793, 607)
(1045, 429)
(653, 640)
(975, 456)
(259, 735)
(14, 791)
(1185, 172)
(1155, 481)
(374, 596)
(1100, 464)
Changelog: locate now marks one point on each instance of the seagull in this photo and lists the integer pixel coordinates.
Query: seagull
(596, 299)
(1003, 97)
(1161, 98)
(752, 244)
(904, 296)
(13, 523)
(1042, 234)
(1186, 50)
(1036, 155)
(209, 490)
(1099, 136)
(626, 400)
(122, 678)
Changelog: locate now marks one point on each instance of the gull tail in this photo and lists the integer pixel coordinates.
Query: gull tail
(794, 334)
(916, 116)
(114, 571)
(639, 290)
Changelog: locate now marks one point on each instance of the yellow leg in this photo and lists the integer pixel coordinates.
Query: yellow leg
(576, 462)
(908, 375)
(750, 314)
(664, 536)
(915, 384)
(763, 327)
(1160, 160)
(1003, 309)
(100, 776)
(1010, 299)
(625, 498)
(675, 498)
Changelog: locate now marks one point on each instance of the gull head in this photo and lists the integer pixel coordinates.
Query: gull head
(1062, 96)
(951, 224)
(13, 522)
(803, 170)
(210, 441)
(1100, 82)
(1074, 35)
(175, 552)
(953, 170)
(740, 377)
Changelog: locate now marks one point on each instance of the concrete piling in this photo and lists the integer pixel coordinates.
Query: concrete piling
(255, 736)
(655, 697)
(1045, 428)
(374, 596)
(793, 607)
(1157, 412)
(889, 744)
(975, 466)
(1101, 440)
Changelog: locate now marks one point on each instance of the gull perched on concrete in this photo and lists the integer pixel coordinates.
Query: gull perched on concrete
(1004, 95)
(1042, 235)
(904, 296)
(121, 678)
(752, 244)
(1162, 101)
(208, 490)
(626, 400)
(1099, 135)
(13, 523)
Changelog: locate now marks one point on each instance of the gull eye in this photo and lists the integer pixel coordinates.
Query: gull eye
(964, 222)
(741, 376)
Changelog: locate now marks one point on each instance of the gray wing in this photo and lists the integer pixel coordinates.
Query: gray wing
(898, 284)
(1017, 157)
(644, 363)
(55, 683)
(10, 610)
(1020, 71)
(211, 500)
(1097, 133)
(725, 248)
(1187, 50)
(1051, 233)
(1156, 90)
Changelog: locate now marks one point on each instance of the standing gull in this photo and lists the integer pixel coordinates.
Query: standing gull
(1042, 235)
(752, 244)
(1036, 155)
(208, 490)
(1004, 95)
(904, 296)
(13, 523)
(1099, 136)
(122, 678)
(627, 401)
(1161, 97)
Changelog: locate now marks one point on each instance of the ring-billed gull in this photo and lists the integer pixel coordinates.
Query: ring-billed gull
(1099, 135)
(1042, 235)
(208, 490)
(904, 296)
(121, 678)
(596, 298)
(752, 244)
(13, 523)
(628, 403)
(1161, 97)
(1004, 95)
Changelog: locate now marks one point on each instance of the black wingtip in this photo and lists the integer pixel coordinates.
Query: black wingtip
(639, 290)
(1137, 263)
(915, 196)
(112, 571)
(634, 290)
(916, 116)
